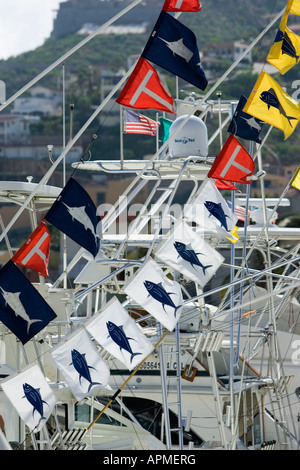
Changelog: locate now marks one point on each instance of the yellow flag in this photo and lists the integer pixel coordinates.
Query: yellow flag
(285, 51)
(293, 7)
(296, 180)
(270, 103)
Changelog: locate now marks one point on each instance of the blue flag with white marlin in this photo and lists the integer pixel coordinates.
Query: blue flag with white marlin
(22, 309)
(75, 214)
(244, 125)
(173, 47)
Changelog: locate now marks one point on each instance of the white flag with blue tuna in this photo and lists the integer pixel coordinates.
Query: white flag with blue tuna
(81, 365)
(156, 293)
(31, 396)
(118, 334)
(188, 253)
(211, 212)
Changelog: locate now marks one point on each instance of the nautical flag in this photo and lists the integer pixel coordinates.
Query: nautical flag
(269, 102)
(165, 125)
(31, 396)
(34, 253)
(74, 213)
(173, 47)
(293, 7)
(156, 293)
(188, 253)
(144, 90)
(118, 334)
(210, 211)
(22, 309)
(239, 211)
(220, 184)
(136, 123)
(80, 363)
(244, 125)
(285, 51)
(296, 180)
(233, 163)
(182, 5)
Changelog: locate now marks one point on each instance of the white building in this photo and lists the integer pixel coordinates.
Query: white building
(14, 129)
(42, 101)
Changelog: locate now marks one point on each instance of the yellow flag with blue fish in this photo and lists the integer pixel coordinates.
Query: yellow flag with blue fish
(285, 51)
(270, 103)
(293, 7)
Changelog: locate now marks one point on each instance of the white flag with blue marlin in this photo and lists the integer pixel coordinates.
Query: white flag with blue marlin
(75, 214)
(80, 363)
(156, 293)
(31, 396)
(188, 253)
(210, 211)
(118, 334)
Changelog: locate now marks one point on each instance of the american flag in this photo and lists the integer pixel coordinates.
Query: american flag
(136, 123)
(239, 211)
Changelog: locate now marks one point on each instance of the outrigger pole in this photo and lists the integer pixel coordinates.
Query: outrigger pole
(126, 382)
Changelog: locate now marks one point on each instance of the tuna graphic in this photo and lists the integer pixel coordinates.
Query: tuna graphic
(217, 211)
(177, 47)
(270, 98)
(188, 254)
(79, 214)
(158, 293)
(33, 395)
(118, 335)
(81, 366)
(13, 300)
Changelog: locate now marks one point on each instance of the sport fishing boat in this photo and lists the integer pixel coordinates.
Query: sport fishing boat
(161, 333)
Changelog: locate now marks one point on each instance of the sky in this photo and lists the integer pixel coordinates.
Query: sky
(25, 24)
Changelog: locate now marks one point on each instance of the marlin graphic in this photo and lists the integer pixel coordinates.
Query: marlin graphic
(13, 300)
(81, 366)
(189, 255)
(217, 211)
(270, 98)
(177, 47)
(118, 335)
(252, 122)
(158, 292)
(33, 395)
(79, 214)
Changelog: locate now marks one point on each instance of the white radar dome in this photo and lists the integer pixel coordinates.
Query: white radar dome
(190, 140)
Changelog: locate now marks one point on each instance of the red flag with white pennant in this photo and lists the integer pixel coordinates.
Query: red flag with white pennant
(144, 90)
(34, 253)
(233, 163)
(182, 5)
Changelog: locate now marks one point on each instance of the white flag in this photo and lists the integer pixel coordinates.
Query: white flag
(81, 364)
(188, 253)
(118, 334)
(156, 293)
(210, 210)
(31, 396)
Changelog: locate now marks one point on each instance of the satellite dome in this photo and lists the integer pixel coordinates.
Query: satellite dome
(191, 139)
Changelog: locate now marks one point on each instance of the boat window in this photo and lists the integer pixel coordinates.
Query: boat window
(83, 414)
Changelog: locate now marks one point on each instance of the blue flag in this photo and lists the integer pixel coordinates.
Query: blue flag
(22, 309)
(173, 47)
(244, 125)
(75, 214)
